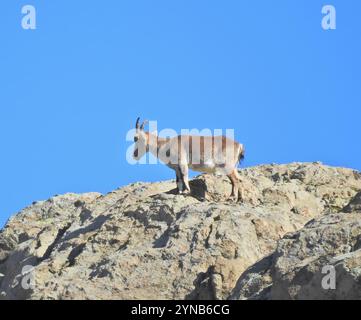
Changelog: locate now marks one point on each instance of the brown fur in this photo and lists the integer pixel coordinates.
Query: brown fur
(181, 154)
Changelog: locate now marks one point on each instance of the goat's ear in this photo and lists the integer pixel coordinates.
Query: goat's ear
(143, 124)
(137, 123)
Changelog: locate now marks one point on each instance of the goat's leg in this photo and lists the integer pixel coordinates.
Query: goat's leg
(235, 186)
(240, 189)
(237, 191)
(179, 181)
(240, 194)
(184, 177)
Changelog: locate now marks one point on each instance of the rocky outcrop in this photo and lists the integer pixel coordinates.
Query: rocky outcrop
(304, 262)
(145, 242)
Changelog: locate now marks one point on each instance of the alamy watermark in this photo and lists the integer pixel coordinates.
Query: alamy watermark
(329, 17)
(28, 20)
(328, 22)
(28, 277)
(168, 147)
(329, 280)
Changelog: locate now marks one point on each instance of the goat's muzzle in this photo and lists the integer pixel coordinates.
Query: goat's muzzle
(135, 153)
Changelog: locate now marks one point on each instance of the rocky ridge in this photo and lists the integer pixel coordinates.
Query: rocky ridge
(143, 241)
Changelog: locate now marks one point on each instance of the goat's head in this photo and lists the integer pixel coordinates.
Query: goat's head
(141, 140)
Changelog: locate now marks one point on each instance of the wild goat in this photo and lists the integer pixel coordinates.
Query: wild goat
(209, 154)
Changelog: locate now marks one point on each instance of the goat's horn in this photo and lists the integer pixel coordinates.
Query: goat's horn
(137, 123)
(143, 124)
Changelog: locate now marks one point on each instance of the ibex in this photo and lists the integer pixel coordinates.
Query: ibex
(208, 154)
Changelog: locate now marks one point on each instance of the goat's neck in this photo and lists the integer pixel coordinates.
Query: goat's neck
(155, 143)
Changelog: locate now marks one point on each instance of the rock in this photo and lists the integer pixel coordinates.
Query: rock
(143, 241)
(302, 262)
(354, 205)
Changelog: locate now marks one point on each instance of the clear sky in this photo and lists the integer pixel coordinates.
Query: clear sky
(71, 89)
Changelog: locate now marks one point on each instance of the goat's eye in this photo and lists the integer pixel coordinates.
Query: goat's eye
(135, 139)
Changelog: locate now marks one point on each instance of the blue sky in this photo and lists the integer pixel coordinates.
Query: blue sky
(71, 89)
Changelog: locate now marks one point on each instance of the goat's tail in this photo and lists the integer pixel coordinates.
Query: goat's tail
(241, 154)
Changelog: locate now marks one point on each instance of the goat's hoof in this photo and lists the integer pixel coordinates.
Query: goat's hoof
(232, 199)
(184, 193)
